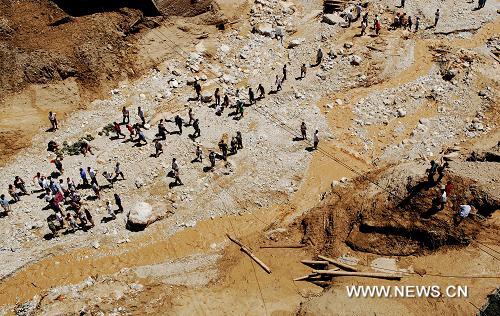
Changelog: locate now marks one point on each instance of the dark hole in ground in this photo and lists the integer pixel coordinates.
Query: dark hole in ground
(86, 7)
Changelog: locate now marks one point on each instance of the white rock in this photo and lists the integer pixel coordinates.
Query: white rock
(356, 60)
(332, 19)
(265, 29)
(296, 42)
(140, 215)
(339, 102)
(96, 244)
(401, 113)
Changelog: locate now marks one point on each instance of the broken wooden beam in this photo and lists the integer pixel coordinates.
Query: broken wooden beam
(305, 277)
(338, 263)
(246, 250)
(315, 262)
(284, 246)
(377, 275)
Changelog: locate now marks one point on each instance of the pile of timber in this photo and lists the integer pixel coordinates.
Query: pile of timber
(325, 268)
(330, 6)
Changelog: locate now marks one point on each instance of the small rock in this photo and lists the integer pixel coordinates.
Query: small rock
(355, 60)
(348, 45)
(401, 113)
(295, 42)
(339, 102)
(265, 29)
(96, 244)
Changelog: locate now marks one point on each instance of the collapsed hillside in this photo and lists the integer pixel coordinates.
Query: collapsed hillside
(394, 212)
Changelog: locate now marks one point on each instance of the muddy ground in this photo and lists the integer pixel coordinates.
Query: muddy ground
(384, 105)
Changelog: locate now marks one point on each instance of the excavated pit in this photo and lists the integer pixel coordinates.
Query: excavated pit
(81, 8)
(378, 223)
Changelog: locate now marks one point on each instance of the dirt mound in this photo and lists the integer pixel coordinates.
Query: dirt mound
(72, 47)
(402, 219)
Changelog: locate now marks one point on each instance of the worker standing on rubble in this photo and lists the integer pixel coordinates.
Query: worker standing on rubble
(315, 140)
(197, 89)
(303, 130)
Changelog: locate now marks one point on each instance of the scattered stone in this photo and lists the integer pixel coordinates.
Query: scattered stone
(356, 60)
(265, 29)
(348, 45)
(96, 244)
(401, 113)
(296, 42)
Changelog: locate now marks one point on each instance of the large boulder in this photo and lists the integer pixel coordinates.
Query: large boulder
(140, 216)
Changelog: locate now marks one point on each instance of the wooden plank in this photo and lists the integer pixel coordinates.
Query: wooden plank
(377, 275)
(250, 254)
(315, 262)
(284, 246)
(338, 264)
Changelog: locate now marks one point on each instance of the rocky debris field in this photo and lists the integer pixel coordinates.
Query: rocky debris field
(401, 96)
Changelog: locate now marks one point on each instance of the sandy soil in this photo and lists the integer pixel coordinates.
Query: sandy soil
(185, 264)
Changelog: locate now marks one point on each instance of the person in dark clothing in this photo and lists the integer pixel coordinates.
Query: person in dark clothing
(261, 91)
(211, 157)
(118, 202)
(303, 130)
(125, 115)
(59, 165)
(217, 96)
(303, 71)
(196, 126)
(284, 72)
(197, 89)
(431, 172)
(239, 140)
(19, 184)
(441, 170)
(162, 131)
(158, 148)
(251, 96)
(226, 101)
(178, 122)
(234, 146)
(223, 149)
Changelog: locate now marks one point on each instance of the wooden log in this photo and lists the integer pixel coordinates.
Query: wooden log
(284, 246)
(338, 264)
(249, 253)
(314, 262)
(305, 277)
(378, 275)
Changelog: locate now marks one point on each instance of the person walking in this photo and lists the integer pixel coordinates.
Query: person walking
(141, 137)
(83, 176)
(284, 72)
(410, 23)
(211, 157)
(431, 172)
(178, 122)
(239, 140)
(303, 130)
(5, 204)
(118, 130)
(217, 96)
(251, 96)
(315, 140)
(110, 211)
(363, 28)
(158, 148)
(118, 171)
(377, 26)
(303, 71)
(59, 165)
(319, 57)
(191, 116)
(97, 190)
(417, 23)
(140, 113)
(436, 17)
(197, 89)
(125, 115)
(196, 126)
(402, 4)
(20, 185)
(278, 83)
(53, 120)
(261, 91)
(199, 154)
(223, 149)
(108, 177)
(92, 175)
(89, 217)
(118, 202)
